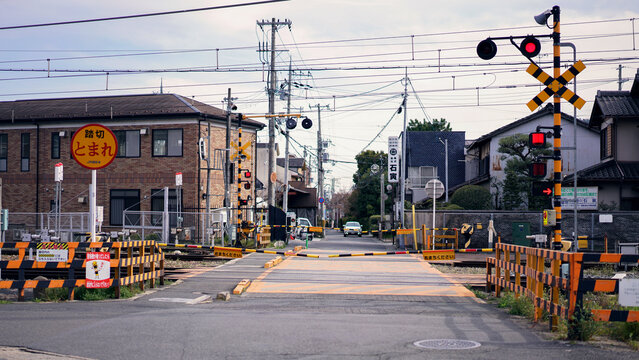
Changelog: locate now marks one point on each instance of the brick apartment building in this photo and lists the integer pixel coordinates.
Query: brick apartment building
(157, 136)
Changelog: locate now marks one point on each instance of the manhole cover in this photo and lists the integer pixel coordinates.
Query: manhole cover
(447, 344)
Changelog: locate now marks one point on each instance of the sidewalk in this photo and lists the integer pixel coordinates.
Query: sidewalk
(208, 284)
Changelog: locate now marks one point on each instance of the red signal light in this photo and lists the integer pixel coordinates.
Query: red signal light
(247, 174)
(537, 140)
(537, 170)
(530, 47)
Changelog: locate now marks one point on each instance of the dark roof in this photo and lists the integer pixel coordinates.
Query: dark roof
(616, 104)
(107, 107)
(607, 171)
(293, 162)
(546, 110)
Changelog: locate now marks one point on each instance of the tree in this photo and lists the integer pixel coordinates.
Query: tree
(517, 185)
(434, 125)
(472, 197)
(364, 200)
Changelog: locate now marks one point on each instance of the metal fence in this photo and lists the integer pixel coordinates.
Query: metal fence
(174, 227)
(616, 226)
(46, 225)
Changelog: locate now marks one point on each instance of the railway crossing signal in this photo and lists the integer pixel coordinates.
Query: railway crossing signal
(537, 140)
(542, 188)
(556, 86)
(537, 170)
(530, 47)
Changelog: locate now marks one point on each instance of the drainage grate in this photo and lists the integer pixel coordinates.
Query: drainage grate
(447, 344)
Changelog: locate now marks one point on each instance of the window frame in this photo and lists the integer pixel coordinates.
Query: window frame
(157, 131)
(6, 156)
(115, 132)
(134, 207)
(24, 136)
(55, 135)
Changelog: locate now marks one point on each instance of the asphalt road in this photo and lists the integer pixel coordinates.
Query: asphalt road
(327, 308)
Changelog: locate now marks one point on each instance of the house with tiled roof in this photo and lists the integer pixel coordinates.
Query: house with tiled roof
(484, 163)
(157, 135)
(616, 115)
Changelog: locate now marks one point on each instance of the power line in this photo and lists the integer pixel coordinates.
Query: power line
(138, 15)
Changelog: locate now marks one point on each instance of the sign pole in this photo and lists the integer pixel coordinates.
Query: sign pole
(434, 200)
(92, 204)
(557, 129)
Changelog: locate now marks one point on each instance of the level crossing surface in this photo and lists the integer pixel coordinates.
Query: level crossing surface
(343, 312)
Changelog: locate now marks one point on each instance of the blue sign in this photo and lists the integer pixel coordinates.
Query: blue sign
(321, 200)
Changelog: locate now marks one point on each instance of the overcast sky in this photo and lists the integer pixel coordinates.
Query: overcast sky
(350, 54)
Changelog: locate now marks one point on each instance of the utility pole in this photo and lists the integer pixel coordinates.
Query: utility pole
(445, 143)
(271, 106)
(620, 80)
(320, 166)
(288, 111)
(404, 167)
(227, 167)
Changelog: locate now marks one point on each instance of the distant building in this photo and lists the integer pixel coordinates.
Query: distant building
(426, 160)
(615, 115)
(484, 164)
(157, 136)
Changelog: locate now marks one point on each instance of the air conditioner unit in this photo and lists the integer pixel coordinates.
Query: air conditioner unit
(62, 133)
(82, 199)
(144, 131)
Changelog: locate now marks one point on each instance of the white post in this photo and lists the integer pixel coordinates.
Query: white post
(434, 200)
(165, 217)
(92, 204)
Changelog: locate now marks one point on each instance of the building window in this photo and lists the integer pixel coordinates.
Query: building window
(157, 204)
(128, 143)
(25, 152)
(4, 150)
(167, 142)
(55, 145)
(606, 142)
(124, 200)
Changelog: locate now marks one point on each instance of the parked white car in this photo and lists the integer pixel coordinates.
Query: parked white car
(301, 232)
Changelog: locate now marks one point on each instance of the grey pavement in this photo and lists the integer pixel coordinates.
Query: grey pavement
(280, 326)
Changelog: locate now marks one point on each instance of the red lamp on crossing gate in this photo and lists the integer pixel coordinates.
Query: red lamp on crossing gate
(537, 140)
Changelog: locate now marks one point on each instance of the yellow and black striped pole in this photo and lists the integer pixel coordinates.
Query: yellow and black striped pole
(556, 243)
(239, 182)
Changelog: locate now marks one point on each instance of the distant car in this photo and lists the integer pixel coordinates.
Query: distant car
(301, 232)
(352, 228)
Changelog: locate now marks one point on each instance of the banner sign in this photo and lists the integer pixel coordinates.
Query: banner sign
(52, 252)
(393, 159)
(586, 198)
(98, 270)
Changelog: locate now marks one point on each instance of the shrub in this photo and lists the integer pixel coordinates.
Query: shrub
(472, 197)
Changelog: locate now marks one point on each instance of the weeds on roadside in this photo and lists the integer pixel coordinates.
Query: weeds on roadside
(84, 294)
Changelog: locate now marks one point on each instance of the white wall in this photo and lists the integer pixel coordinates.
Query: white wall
(587, 147)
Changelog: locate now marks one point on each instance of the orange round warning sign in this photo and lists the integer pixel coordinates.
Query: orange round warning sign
(94, 146)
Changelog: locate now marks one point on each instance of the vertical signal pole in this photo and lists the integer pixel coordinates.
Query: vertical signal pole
(556, 243)
(239, 182)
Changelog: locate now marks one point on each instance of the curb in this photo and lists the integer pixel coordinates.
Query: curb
(241, 287)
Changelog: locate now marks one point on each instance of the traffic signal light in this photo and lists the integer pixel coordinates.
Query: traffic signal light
(486, 49)
(537, 140)
(307, 123)
(247, 174)
(542, 188)
(530, 47)
(537, 170)
(291, 123)
(243, 202)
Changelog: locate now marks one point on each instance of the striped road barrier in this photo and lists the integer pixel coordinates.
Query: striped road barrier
(539, 281)
(124, 255)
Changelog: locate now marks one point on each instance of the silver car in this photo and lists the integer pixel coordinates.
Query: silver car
(352, 228)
